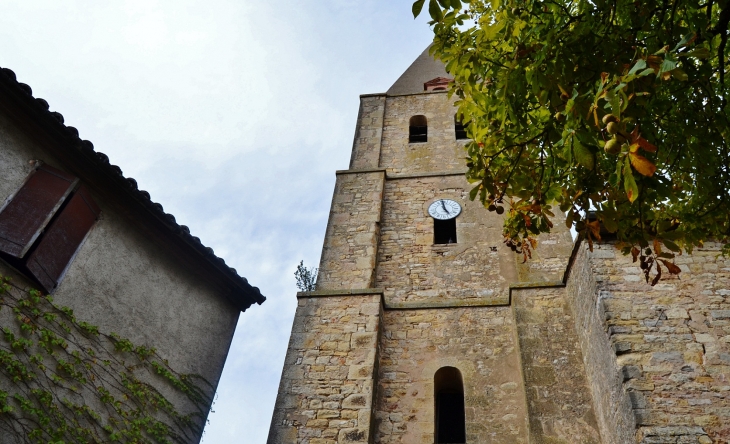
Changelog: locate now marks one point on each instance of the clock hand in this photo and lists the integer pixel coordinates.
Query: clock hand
(443, 205)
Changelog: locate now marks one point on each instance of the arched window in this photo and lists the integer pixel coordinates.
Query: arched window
(449, 421)
(459, 129)
(418, 129)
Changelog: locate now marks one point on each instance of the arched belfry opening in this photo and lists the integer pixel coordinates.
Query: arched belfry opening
(418, 129)
(459, 129)
(449, 417)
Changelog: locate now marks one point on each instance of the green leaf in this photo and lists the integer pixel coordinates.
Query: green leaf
(640, 64)
(667, 65)
(474, 191)
(684, 41)
(456, 4)
(435, 10)
(610, 224)
(700, 53)
(417, 7)
(583, 155)
(632, 191)
(671, 245)
(646, 72)
(445, 3)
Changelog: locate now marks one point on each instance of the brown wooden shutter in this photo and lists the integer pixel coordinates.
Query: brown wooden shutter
(58, 246)
(35, 203)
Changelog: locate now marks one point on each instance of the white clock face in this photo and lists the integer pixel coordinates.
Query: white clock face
(444, 209)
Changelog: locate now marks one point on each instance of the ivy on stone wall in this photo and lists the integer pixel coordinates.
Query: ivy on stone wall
(63, 380)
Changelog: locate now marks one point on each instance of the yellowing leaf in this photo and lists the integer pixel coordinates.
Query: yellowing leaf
(673, 268)
(657, 246)
(643, 143)
(678, 74)
(595, 227)
(642, 165)
(632, 191)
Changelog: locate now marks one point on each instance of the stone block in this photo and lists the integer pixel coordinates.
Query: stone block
(328, 414)
(356, 401)
(360, 372)
(362, 340)
(666, 357)
(631, 372)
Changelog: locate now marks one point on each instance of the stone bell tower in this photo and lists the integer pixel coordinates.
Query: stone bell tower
(424, 327)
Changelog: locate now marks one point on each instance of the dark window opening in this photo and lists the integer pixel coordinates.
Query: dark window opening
(418, 129)
(44, 224)
(459, 129)
(450, 420)
(439, 88)
(444, 231)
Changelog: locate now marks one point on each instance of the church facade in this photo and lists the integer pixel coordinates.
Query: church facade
(425, 328)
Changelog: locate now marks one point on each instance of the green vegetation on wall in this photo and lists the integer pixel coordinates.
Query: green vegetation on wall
(62, 380)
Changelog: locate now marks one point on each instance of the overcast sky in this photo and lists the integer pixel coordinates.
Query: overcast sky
(234, 115)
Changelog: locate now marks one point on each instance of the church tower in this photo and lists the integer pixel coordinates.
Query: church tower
(424, 327)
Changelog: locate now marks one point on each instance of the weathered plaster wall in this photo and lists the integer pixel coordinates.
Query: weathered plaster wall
(411, 269)
(480, 342)
(441, 153)
(16, 150)
(353, 229)
(558, 395)
(326, 390)
(672, 342)
(124, 283)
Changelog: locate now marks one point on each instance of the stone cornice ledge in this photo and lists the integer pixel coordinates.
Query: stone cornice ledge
(453, 303)
(443, 303)
(331, 293)
(365, 171)
(533, 285)
(396, 176)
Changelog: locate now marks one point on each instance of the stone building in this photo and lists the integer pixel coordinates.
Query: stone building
(73, 225)
(424, 328)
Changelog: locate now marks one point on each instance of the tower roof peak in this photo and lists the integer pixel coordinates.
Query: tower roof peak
(422, 70)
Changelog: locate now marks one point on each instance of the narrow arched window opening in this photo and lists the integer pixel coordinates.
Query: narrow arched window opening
(459, 129)
(418, 129)
(450, 420)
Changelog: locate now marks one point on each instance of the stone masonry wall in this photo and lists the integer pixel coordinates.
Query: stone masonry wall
(558, 396)
(326, 390)
(480, 342)
(366, 147)
(441, 153)
(351, 240)
(412, 269)
(551, 256)
(672, 342)
(611, 401)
